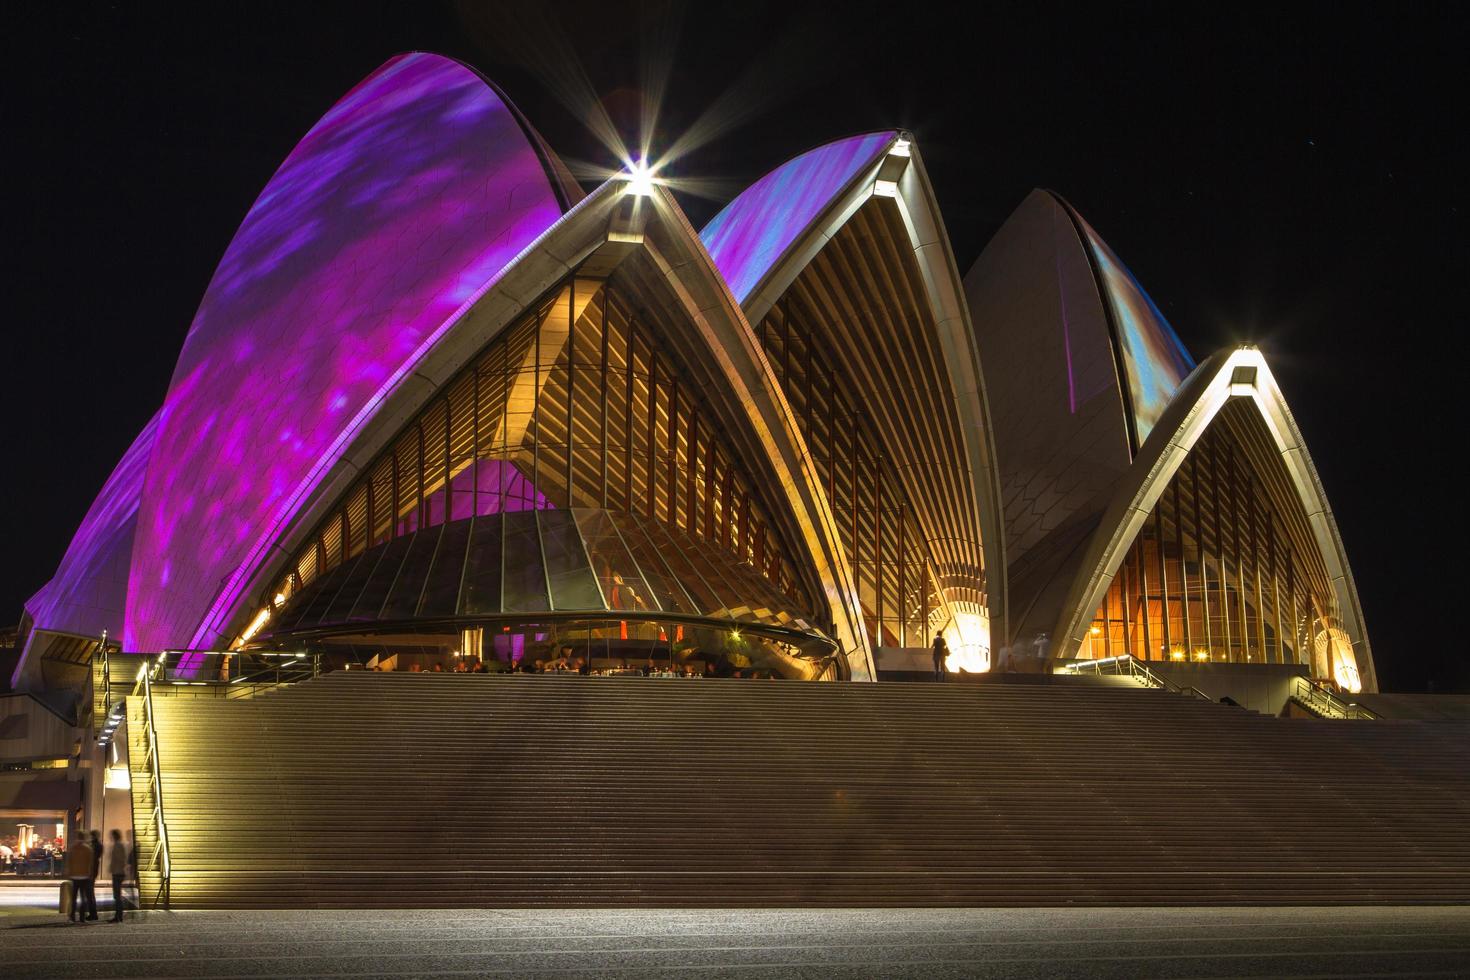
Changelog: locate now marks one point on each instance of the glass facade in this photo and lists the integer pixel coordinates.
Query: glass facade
(537, 561)
(1225, 569)
(875, 520)
(861, 366)
(576, 405)
(593, 645)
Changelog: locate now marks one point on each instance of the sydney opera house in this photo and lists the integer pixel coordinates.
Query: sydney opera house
(439, 405)
(436, 398)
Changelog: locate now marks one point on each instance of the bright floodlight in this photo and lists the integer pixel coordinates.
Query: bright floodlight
(640, 178)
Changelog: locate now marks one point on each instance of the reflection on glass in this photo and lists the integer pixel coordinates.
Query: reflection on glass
(560, 411)
(592, 645)
(525, 573)
(666, 591)
(573, 585)
(683, 570)
(325, 593)
(441, 591)
(370, 603)
(622, 584)
(403, 601)
(358, 572)
(482, 569)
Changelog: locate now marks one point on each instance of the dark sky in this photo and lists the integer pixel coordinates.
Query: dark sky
(1295, 178)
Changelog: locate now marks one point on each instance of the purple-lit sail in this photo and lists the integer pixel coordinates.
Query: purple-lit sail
(751, 234)
(88, 593)
(1154, 359)
(398, 209)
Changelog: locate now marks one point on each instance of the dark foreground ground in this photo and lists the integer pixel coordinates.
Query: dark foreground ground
(929, 943)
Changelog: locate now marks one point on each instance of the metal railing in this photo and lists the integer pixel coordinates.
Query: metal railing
(159, 860)
(230, 675)
(108, 707)
(1326, 703)
(103, 655)
(1130, 666)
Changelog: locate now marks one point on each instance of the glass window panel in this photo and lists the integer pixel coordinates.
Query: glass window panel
(461, 402)
(403, 601)
(683, 571)
(356, 515)
(622, 583)
(380, 582)
(357, 577)
(482, 567)
(462, 490)
(325, 593)
(306, 566)
(408, 482)
(332, 542)
(668, 594)
(435, 427)
(736, 597)
(752, 600)
(292, 615)
(505, 487)
(382, 501)
(573, 586)
(765, 597)
(524, 569)
(441, 592)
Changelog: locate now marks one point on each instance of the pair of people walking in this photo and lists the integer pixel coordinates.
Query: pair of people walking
(84, 864)
(941, 659)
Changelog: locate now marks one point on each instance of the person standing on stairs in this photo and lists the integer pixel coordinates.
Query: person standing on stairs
(96, 844)
(78, 866)
(117, 866)
(941, 659)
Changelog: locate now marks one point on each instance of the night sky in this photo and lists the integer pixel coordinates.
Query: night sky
(1294, 179)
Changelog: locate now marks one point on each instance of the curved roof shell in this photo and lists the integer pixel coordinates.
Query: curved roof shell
(1096, 403)
(1154, 360)
(1057, 398)
(758, 228)
(88, 593)
(903, 318)
(399, 208)
(1229, 376)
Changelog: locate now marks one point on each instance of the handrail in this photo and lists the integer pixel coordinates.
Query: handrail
(1128, 664)
(1326, 703)
(106, 676)
(278, 670)
(160, 856)
(271, 676)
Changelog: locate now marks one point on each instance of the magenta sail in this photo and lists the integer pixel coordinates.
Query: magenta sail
(88, 593)
(754, 231)
(397, 210)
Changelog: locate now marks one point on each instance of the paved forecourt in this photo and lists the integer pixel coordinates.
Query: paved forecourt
(930, 943)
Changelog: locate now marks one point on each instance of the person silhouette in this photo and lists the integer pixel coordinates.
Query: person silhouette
(78, 865)
(941, 657)
(117, 867)
(91, 888)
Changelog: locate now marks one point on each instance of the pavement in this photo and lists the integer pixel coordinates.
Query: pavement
(29, 896)
(750, 944)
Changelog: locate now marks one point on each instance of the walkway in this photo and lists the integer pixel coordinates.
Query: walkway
(940, 943)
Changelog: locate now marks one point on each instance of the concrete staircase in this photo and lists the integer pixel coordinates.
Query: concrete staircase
(432, 790)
